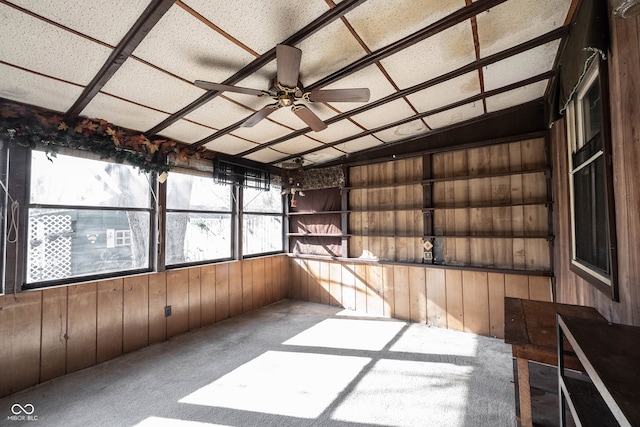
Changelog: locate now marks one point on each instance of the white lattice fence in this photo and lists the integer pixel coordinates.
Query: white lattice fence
(49, 247)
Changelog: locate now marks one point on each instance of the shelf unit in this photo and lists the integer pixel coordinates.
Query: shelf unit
(611, 358)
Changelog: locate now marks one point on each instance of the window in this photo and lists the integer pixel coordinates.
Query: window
(75, 204)
(198, 224)
(593, 219)
(262, 221)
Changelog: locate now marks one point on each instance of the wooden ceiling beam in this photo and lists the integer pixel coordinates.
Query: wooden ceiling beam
(124, 49)
(530, 44)
(324, 20)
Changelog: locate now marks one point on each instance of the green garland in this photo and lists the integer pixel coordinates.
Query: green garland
(30, 126)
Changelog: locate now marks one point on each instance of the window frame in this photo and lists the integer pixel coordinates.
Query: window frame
(28, 205)
(597, 71)
(244, 212)
(166, 211)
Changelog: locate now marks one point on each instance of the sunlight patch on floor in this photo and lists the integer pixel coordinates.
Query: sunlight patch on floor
(282, 383)
(353, 334)
(423, 339)
(172, 422)
(397, 393)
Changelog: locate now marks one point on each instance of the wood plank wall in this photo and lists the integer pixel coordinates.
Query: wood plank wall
(471, 301)
(624, 71)
(51, 332)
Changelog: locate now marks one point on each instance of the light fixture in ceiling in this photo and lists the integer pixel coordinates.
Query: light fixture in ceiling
(410, 128)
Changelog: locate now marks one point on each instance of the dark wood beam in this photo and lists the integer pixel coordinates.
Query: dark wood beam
(124, 49)
(524, 121)
(530, 44)
(479, 97)
(324, 20)
(430, 30)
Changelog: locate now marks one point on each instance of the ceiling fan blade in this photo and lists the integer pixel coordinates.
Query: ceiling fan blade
(340, 95)
(227, 88)
(288, 61)
(259, 115)
(309, 117)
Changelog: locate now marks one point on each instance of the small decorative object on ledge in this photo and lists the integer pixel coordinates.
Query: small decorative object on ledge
(29, 126)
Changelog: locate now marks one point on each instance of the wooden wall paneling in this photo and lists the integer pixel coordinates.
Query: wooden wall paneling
(235, 288)
(81, 326)
(387, 217)
(540, 288)
(495, 282)
(355, 216)
(417, 295)
(455, 307)
(295, 278)
(247, 285)
(313, 279)
(401, 292)
(461, 194)
(388, 293)
(436, 297)
(335, 283)
(374, 223)
(401, 213)
(20, 349)
(259, 283)
(304, 279)
(517, 212)
(501, 216)
(135, 315)
(438, 198)
(178, 299)
(228, 290)
(449, 246)
(207, 293)
(364, 218)
(54, 328)
(480, 220)
(284, 278)
(157, 303)
(195, 299)
(516, 286)
(325, 282)
(348, 275)
(418, 217)
(270, 266)
(109, 319)
(375, 290)
(361, 287)
(533, 153)
(475, 302)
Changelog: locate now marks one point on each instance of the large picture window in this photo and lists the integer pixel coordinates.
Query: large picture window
(75, 204)
(198, 224)
(593, 221)
(262, 221)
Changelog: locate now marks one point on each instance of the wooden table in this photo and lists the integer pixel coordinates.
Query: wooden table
(530, 328)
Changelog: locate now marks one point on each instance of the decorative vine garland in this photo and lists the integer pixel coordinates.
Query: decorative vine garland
(29, 126)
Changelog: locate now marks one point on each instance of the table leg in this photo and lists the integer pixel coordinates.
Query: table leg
(524, 390)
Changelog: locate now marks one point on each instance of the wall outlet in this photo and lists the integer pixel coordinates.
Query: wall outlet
(167, 311)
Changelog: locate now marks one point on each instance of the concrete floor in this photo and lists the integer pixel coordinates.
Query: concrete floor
(289, 364)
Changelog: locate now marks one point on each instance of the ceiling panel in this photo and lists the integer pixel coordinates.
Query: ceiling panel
(371, 78)
(34, 89)
(407, 130)
(264, 131)
(266, 156)
(382, 22)
(446, 93)
(122, 113)
(359, 144)
(186, 131)
(336, 131)
(455, 115)
(138, 82)
(520, 67)
(384, 114)
(444, 52)
(219, 113)
(506, 25)
(109, 26)
(230, 144)
(516, 96)
(31, 43)
(324, 155)
(183, 45)
(260, 25)
(298, 144)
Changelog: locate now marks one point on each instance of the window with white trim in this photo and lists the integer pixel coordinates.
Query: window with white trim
(262, 221)
(593, 222)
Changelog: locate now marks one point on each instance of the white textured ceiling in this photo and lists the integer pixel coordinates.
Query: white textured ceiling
(50, 51)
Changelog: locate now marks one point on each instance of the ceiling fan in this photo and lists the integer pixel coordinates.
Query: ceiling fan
(286, 90)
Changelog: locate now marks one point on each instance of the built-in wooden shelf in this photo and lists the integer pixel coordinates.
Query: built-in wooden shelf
(385, 185)
(315, 234)
(488, 205)
(491, 236)
(314, 213)
(484, 176)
